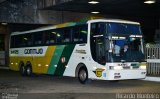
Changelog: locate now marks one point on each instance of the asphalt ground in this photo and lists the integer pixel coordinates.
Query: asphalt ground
(14, 86)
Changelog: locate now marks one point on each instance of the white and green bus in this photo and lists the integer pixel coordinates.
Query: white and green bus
(103, 49)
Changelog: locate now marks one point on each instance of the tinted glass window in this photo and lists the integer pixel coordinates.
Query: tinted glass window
(80, 34)
(121, 28)
(12, 45)
(53, 35)
(46, 37)
(98, 42)
(16, 40)
(76, 34)
(27, 39)
(23, 40)
(59, 36)
(38, 38)
(19, 42)
(67, 35)
(83, 34)
(98, 28)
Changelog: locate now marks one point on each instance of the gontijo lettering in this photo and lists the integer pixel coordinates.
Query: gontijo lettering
(33, 51)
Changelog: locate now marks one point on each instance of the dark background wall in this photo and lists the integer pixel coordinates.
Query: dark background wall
(22, 15)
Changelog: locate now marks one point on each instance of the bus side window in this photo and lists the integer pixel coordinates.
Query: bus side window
(67, 35)
(38, 38)
(46, 37)
(20, 40)
(80, 34)
(52, 34)
(75, 34)
(17, 41)
(59, 36)
(12, 44)
(28, 39)
(83, 34)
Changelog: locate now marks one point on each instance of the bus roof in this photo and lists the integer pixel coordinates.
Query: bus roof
(49, 27)
(114, 20)
(73, 24)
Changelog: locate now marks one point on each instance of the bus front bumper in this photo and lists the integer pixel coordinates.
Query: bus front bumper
(125, 74)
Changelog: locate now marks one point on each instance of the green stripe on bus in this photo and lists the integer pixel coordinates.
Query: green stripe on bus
(65, 55)
(55, 59)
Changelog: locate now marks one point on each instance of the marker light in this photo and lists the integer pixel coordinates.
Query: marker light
(149, 1)
(47, 65)
(93, 2)
(95, 12)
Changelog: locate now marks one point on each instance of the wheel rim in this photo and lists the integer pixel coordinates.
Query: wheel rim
(28, 71)
(82, 75)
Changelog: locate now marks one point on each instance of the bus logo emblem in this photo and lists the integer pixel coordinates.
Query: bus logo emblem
(99, 72)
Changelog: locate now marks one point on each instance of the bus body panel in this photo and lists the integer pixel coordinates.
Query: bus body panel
(39, 62)
(50, 62)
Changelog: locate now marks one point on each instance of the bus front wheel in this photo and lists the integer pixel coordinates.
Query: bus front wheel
(83, 75)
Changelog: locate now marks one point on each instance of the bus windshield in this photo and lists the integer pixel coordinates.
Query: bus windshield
(116, 42)
(126, 48)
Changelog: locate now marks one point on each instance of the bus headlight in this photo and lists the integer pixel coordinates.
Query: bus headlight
(142, 67)
(115, 67)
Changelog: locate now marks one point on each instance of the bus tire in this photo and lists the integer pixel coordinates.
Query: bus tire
(29, 70)
(83, 75)
(22, 69)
